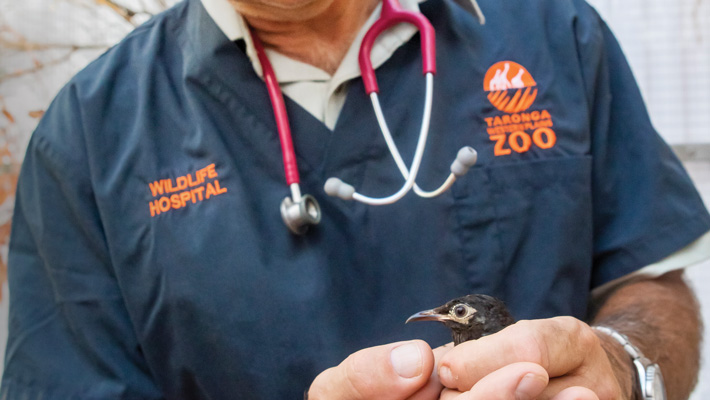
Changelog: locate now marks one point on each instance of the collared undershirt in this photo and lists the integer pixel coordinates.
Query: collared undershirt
(323, 96)
(320, 93)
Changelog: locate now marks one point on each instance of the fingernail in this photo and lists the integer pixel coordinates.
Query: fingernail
(530, 386)
(407, 360)
(445, 375)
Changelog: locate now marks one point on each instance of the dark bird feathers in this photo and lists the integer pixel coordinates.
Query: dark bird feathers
(469, 317)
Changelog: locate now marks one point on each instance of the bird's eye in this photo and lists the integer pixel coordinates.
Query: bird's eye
(460, 311)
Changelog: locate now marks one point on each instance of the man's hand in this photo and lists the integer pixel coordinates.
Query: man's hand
(395, 371)
(405, 370)
(560, 358)
(521, 358)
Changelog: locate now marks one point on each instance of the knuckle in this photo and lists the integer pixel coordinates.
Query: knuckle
(463, 366)
(585, 334)
(588, 339)
(578, 332)
(609, 392)
(331, 383)
(459, 366)
(355, 377)
(529, 345)
(569, 324)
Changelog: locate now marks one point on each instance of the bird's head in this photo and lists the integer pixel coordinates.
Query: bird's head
(469, 317)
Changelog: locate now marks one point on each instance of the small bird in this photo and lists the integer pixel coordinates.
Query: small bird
(469, 317)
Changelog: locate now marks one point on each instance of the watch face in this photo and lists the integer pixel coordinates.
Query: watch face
(659, 389)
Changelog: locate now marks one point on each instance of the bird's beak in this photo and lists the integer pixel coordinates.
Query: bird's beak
(428, 315)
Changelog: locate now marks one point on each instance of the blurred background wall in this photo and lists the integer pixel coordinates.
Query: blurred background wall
(44, 42)
(668, 47)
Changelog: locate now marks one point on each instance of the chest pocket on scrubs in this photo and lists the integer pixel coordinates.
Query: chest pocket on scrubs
(520, 227)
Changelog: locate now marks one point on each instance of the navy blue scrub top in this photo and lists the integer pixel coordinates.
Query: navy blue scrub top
(148, 256)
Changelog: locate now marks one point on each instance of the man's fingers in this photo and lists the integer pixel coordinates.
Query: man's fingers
(576, 393)
(519, 381)
(602, 389)
(433, 388)
(558, 344)
(450, 394)
(390, 372)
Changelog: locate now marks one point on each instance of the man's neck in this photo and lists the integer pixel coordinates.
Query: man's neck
(321, 39)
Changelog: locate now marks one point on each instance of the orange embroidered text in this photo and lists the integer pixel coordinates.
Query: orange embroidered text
(173, 194)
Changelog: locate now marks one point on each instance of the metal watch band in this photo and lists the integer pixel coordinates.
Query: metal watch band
(632, 350)
(649, 378)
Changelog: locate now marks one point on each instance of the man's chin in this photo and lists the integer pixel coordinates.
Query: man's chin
(281, 10)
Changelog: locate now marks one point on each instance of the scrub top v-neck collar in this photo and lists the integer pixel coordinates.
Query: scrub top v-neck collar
(321, 94)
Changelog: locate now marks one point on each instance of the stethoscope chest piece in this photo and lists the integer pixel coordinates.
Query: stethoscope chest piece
(299, 215)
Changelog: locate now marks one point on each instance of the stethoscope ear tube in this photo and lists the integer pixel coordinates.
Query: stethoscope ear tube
(465, 159)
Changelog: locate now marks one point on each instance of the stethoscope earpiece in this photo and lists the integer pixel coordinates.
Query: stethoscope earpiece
(299, 215)
(337, 188)
(465, 159)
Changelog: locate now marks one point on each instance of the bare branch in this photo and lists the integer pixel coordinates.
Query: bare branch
(23, 44)
(37, 114)
(38, 66)
(125, 12)
(8, 115)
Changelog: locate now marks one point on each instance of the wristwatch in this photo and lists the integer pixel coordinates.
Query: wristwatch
(649, 373)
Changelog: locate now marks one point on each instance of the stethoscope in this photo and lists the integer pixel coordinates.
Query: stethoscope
(299, 211)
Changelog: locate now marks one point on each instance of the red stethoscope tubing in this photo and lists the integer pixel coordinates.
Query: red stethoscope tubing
(282, 125)
(391, 15)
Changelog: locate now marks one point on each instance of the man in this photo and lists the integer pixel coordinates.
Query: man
(149, 259)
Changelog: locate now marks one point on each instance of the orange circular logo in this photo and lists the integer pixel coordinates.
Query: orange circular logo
(510, 87)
